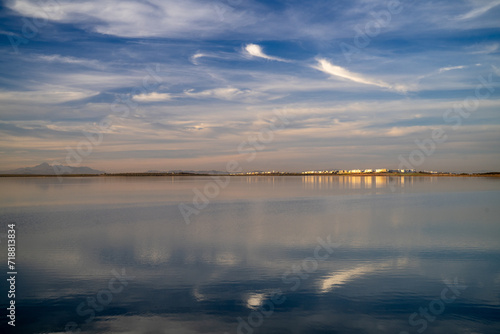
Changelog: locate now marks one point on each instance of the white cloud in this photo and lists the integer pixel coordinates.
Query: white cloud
(327, 67)
(70, 60)
(152, 97)
(216, 55)
(196, 56)
(46, 95)
(445, 69)
(479, 11)
(441, 70)
(255, 50)
(138, 19)
(229, 94)
(487, 49)
(98, 80)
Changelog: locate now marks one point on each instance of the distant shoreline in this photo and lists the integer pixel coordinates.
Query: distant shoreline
(491, 174)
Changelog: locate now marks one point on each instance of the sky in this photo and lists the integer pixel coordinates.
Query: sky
(273, 85)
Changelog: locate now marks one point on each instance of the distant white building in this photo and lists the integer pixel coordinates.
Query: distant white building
(406, 170)
(381, 170)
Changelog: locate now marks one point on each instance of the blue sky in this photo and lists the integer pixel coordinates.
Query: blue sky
(184, 84)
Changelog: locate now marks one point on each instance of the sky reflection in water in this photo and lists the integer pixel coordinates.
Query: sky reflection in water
(250, 254)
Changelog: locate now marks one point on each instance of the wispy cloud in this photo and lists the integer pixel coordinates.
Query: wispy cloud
(153, 97)
(445, 69)
(228, 94)
(441, 70)
(479, 11)
(55, 58)
(194, 58)
(255, 50)
(215, 55)
(136, 18)
(46, 95)
(337, 71)
(486, 49)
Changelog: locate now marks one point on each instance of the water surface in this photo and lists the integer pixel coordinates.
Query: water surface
(312, 254)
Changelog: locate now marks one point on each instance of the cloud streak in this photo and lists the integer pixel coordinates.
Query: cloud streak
(255, 50)
(153, 97)
(445, 69)
(325, 66)
(227, 93)
(153, 18)
(478, 11)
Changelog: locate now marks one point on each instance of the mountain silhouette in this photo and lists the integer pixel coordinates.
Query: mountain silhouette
(46, 169)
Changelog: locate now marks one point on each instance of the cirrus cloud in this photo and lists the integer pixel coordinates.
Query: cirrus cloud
(337, 71)
(153, 97)
(255, 50)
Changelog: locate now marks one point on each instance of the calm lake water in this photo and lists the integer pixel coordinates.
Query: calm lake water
(312, 254)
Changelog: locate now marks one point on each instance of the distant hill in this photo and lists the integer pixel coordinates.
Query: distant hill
(46, 169)
(210, 172)
(182, 171)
